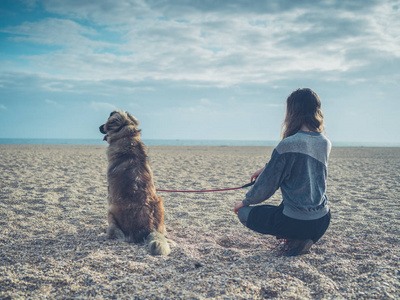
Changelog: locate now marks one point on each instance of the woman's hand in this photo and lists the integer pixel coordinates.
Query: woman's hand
(256, 174)
(238, 205)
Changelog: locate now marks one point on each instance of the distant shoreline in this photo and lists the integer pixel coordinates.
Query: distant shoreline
(178, 142)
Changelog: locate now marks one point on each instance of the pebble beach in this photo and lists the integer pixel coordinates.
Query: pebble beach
(53, 221)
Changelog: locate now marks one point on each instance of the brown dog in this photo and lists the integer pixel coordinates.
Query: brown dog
(135, 212)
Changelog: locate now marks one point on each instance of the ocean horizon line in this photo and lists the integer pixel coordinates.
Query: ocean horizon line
(176, 142)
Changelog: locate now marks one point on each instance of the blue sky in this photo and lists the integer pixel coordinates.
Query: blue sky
(198, 69)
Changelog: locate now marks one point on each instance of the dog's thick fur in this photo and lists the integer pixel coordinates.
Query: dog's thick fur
(135, 212)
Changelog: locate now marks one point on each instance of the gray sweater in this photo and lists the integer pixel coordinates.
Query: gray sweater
(298, 166)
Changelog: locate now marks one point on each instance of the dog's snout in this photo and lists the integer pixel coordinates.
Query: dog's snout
(102, 129)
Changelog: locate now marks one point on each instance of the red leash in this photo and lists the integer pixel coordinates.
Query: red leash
(206, 191)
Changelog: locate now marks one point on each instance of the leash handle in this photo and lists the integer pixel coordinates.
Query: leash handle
(249, 184)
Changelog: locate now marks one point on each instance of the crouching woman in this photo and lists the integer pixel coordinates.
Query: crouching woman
(298, 166)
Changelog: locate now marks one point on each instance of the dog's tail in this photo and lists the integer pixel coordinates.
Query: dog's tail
(158, 244)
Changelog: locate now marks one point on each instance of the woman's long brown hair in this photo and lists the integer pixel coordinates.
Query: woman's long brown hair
(303, 107)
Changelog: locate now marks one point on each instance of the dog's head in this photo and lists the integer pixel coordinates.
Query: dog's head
(119, 124)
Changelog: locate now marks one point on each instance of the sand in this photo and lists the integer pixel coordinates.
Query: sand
(53, 217)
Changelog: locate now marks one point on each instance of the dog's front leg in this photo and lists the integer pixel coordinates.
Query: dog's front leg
(113, 230)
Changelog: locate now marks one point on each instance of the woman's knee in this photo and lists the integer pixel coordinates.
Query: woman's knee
(243, 214)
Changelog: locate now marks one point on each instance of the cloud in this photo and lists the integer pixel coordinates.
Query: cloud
(64, 33)
(102, 106)
(121, 12)
(274, 105)
(3, 107)
(209, 43)
(104, 12)
(53, 103)
(205, 101)
(58, 86)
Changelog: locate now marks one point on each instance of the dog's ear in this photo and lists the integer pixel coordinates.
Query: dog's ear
(114, 120)
(132, 118)
(114, 112)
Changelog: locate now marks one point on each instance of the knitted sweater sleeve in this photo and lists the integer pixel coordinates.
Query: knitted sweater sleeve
(268, 181)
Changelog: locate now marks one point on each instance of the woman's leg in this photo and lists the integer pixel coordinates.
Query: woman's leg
(261, 218)
(323, 225)
(269, 219)
(299, 229)
(243, 214)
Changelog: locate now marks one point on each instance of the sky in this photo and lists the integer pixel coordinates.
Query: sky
(209, 69)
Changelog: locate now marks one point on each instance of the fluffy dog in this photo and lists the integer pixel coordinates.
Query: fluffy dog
(135, 212)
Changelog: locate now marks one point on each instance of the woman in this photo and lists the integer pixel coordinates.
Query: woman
(298, 166)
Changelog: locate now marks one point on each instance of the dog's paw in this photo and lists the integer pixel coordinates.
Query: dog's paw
(171, 242)
(102, 235)
(115, 233)
(158, 244)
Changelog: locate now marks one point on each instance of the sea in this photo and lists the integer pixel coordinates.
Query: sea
(149, 142)
(172, 142)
